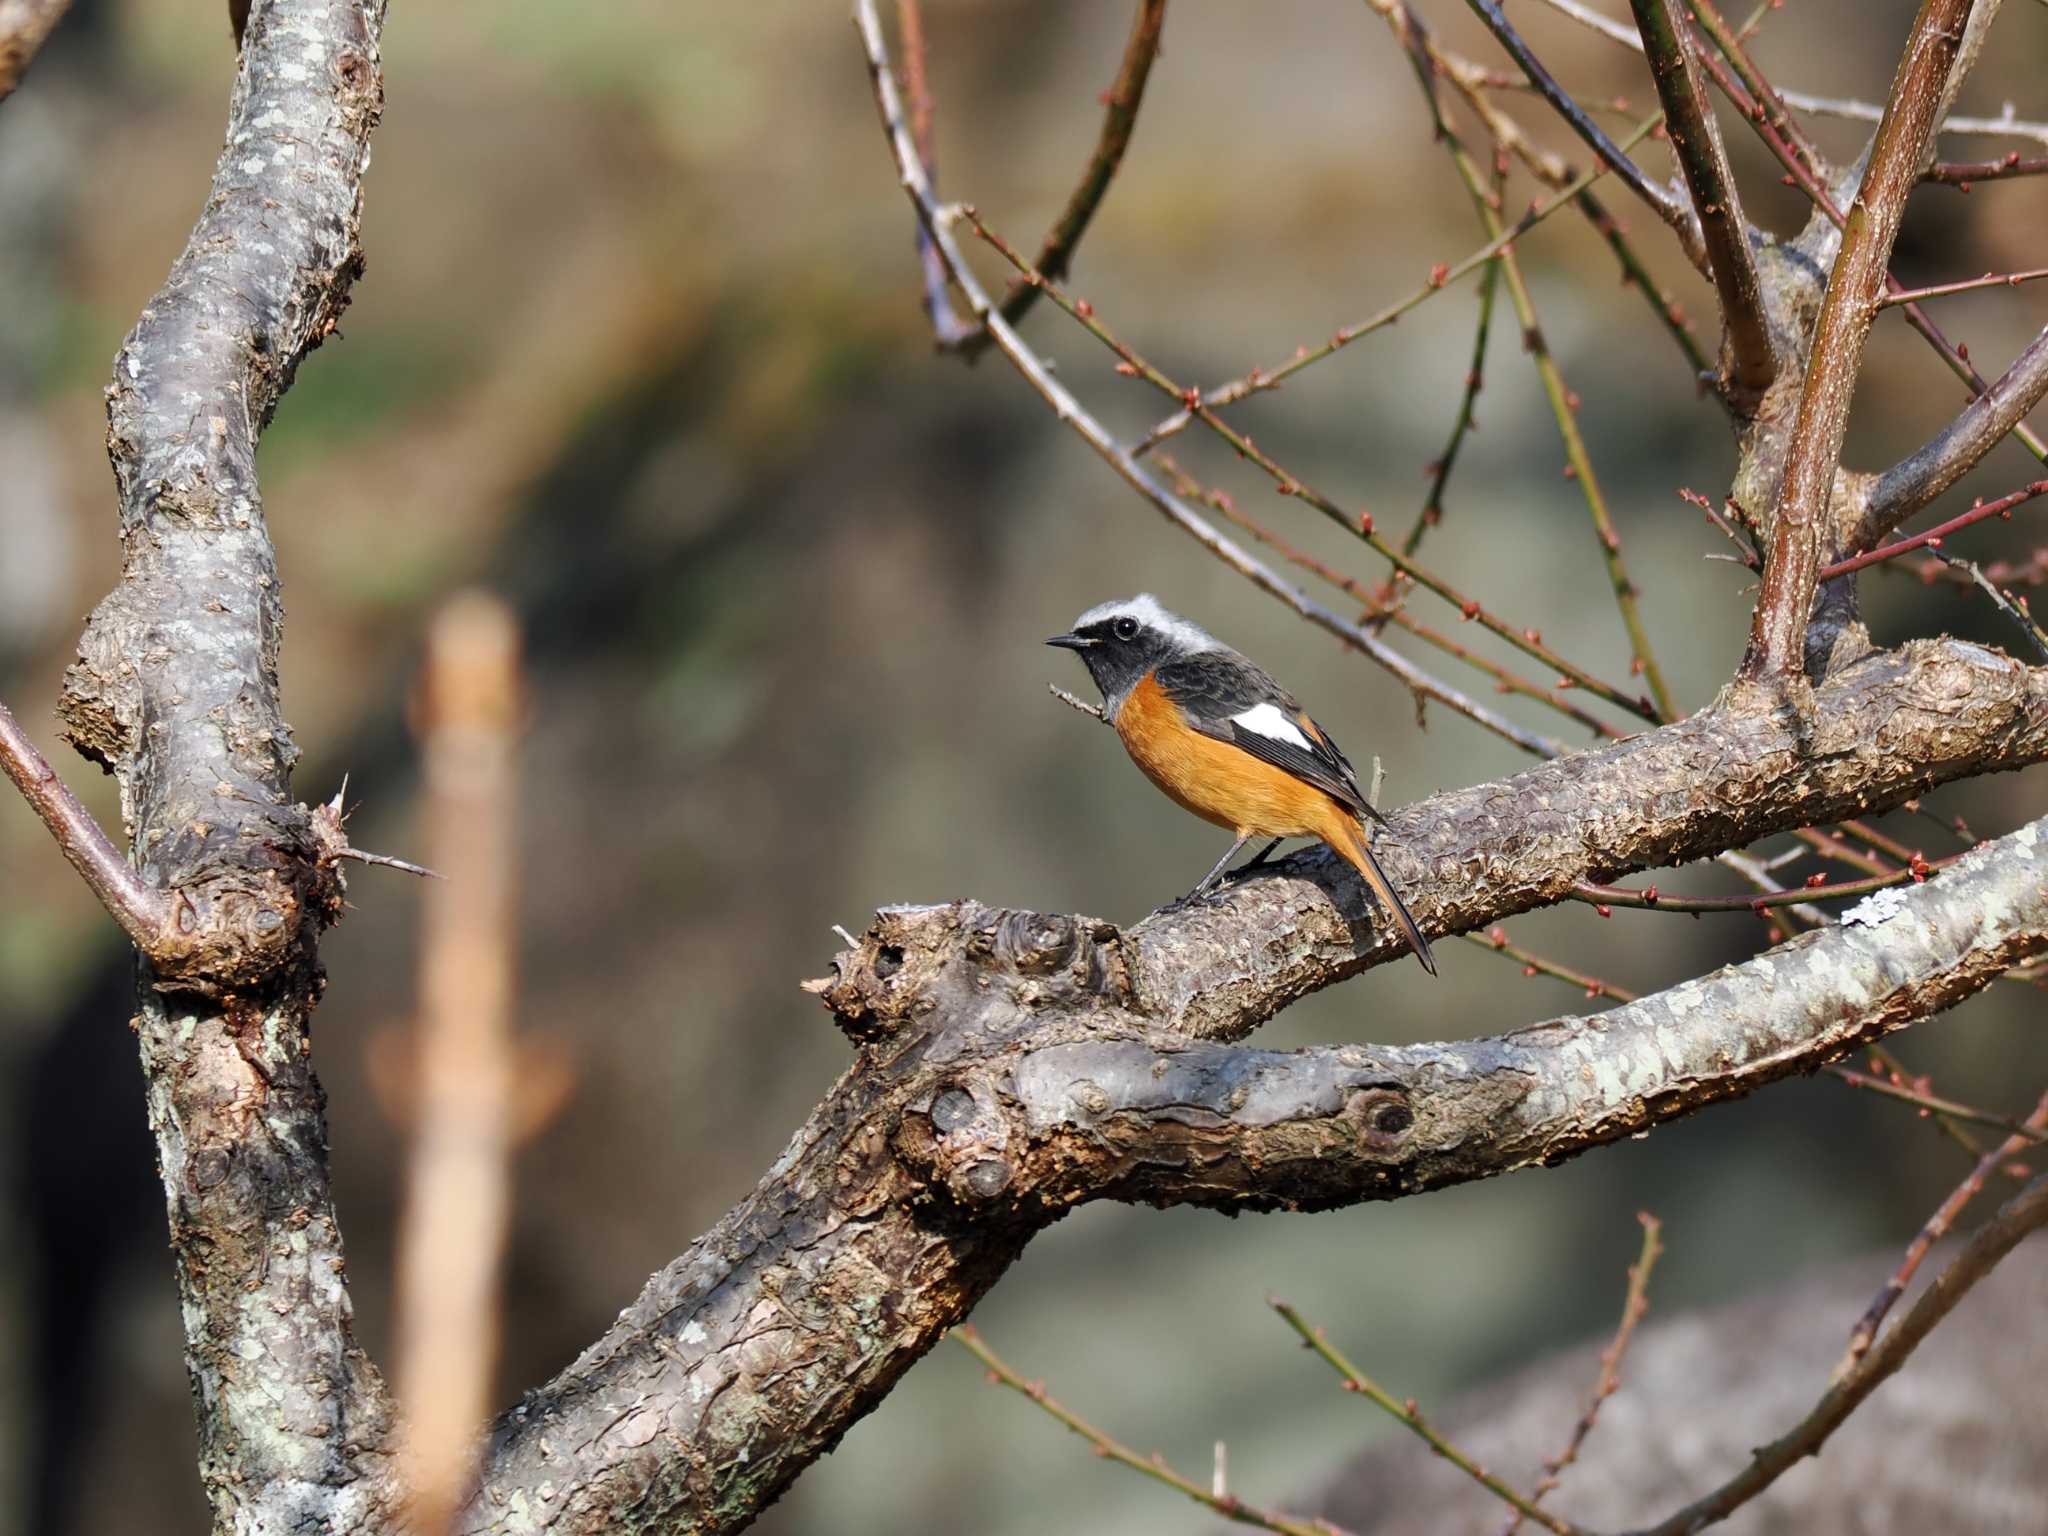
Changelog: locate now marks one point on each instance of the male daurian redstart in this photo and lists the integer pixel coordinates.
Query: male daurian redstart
(1210, 728)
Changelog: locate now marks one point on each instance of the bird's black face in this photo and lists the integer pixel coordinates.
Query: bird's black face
(1118, 650)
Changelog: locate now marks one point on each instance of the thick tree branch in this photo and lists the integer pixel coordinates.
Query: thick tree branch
(1011, 1067)
(1696, 136)
(1777, 643)
(1952, 452)
(25, 25)
(175, 692)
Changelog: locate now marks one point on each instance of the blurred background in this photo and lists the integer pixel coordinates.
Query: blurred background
(640, 347)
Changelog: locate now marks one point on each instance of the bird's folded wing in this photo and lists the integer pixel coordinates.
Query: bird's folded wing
(1228, 698)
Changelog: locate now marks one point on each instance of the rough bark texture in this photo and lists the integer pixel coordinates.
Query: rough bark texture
(175, 693)
(1009, 1071)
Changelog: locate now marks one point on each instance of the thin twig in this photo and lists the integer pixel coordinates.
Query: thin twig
(1214, 1497)
(1935, 1228)
(1968, 285)
(143, 911)
(2003, 126)
(458, 1205)
(1066, 698)
(1673, 210)
(1931, 1104)
(1563, 407)
(1963, 173)
(1650, 899)
(1533, 964)
(2014, 608)
(1932, 538)
(1121, 103)
(948, 329)
(1696, 137)
(1883, 1060)
(1407, 1413)
(1777, 645)
(2024, 1213)
(1634, 1305)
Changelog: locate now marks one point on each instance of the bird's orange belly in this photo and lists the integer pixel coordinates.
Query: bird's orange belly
(1217, 781)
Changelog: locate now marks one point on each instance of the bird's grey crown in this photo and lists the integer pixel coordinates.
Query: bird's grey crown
(1147, 610)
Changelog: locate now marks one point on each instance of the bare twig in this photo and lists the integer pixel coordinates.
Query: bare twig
(1777, 645)
(2014, 608)
(1634, 1305)
(1409, 1414)
(143, 912)
(458, 1203)
(2027, 1133)
(1095, 711)
(1964, 173)
(1696, 137)
(1650, 899)
(1672, 209)
(25, 25)
(1932, 537)
(948, 329)
(1215, 1497)
(1931, 1104)
(1883, 1059)
(1967, 285)
(1120, 116)
(2024, 1213)
(1533, 964)
(1464, 423)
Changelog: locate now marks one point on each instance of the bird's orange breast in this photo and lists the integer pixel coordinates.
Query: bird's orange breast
(1215, 780)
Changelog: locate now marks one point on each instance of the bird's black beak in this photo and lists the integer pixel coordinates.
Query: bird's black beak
(1072, 642)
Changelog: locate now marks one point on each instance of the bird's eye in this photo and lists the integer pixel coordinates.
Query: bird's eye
(1125, 629)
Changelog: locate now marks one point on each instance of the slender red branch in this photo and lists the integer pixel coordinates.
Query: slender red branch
(1932, 1104)
(143, 912)
(1933, 536)
(1942, 290)
(1650, 899)
(1962, 173)
(1777, 645)
(1533, 964)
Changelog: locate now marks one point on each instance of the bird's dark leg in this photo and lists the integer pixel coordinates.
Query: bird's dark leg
(1209, 880)
(1260, 857)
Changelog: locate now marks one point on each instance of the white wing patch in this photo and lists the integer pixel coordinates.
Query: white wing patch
(1267, 720)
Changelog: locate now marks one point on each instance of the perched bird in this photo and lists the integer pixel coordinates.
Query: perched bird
(1221, 738)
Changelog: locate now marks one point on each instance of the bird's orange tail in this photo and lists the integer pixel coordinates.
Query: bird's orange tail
(1352, 847)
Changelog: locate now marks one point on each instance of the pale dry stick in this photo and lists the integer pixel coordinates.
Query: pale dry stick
(1070, 411)
(2005, 125)
(1407, 1413)
(1777, 645)
(1361, 526)
(1215, 1497)
(1635, 1305)
(1586, 16)
(458, 1201)
(144, 912)
(2023, 1214)
(948, 329)
(2028, 1133)
(1696, 137)
(25, 25)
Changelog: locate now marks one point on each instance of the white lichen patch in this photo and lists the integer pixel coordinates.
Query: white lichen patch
(1876, 908)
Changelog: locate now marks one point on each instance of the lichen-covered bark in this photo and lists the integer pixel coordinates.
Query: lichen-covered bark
(1008, 1072)
(175, 693)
